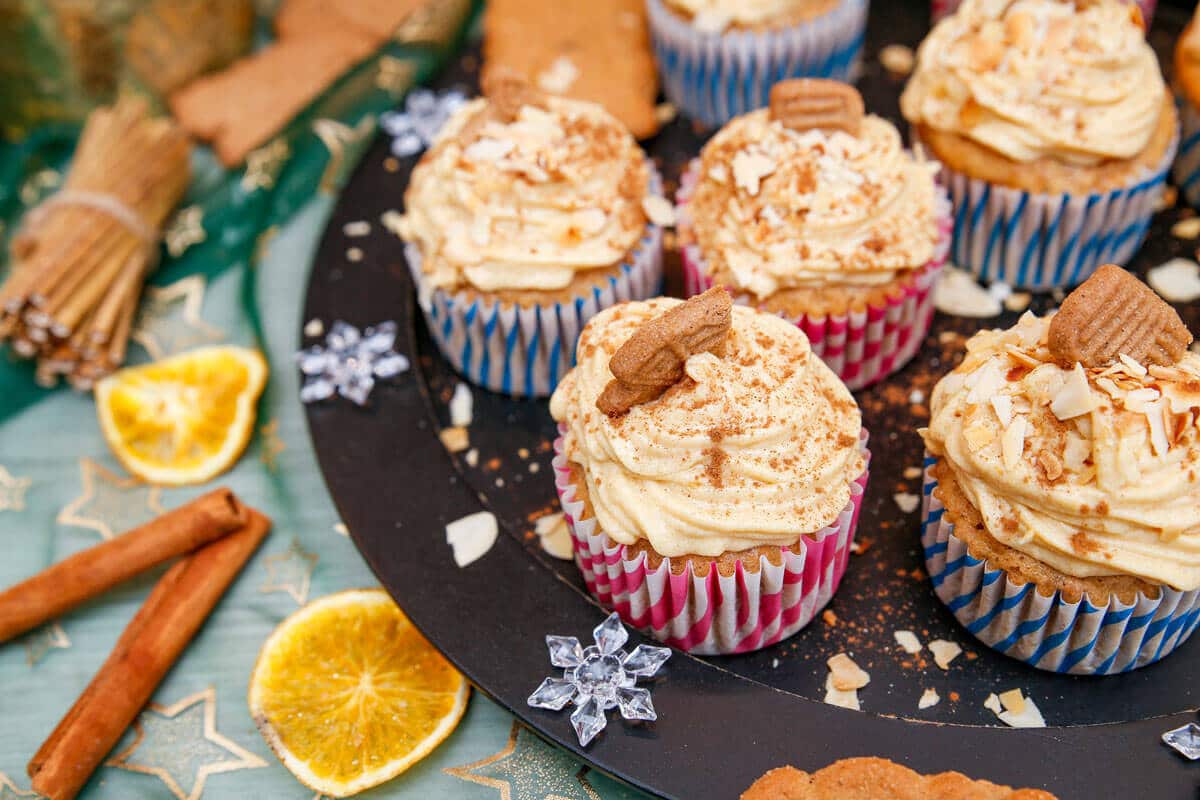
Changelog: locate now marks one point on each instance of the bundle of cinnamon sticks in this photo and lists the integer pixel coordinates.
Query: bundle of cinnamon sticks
(80, 258)
(215, 535)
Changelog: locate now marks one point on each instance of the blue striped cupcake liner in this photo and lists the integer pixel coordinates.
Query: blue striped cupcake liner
(1048, 632)
(1042, 241)
(525, 351)
(713, 77)
(1187, 163)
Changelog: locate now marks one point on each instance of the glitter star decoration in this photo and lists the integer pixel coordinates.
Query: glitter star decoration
(41, 641)
(9, 790)
(272, 445)
(349, 362)
(170, 321)
(264, 165)
(290, 572)
(12, 491)
(185, 229)
(600, 677)
(180, 746)
(529, 769)
(110, 504)
(425, 111)
(344, 143)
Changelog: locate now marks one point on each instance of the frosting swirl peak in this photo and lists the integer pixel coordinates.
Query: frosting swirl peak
(758, 447)
(526, 203)
(1040, 78)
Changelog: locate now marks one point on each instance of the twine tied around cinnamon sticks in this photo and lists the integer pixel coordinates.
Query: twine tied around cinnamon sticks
(215, 534)
(81, 257)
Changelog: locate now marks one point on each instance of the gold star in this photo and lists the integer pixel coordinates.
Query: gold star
(110, 504)
(12, 491)
(394, 75)
(264, 165)
(272, 445)
(433, 23)
(169, 321)
(344, 144)
(9, 790)
(529, 769)
(185, 230)
(180, 746)
(291, 572)
(41, 641)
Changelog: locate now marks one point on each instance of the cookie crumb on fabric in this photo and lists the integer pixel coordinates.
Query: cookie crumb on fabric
(957, 294)
(944, 652)
(461, 406)
(357, 229)
(472, 458)
(907, 501)
(354, 255)
(829, 617)
(897, 59)
(314, 327)
(1177, 280)
(912, 473)
(1188, 228)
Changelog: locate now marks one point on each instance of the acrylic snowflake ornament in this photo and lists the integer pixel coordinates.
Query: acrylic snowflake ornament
(599, 678)
(350, 362)
(424, 114)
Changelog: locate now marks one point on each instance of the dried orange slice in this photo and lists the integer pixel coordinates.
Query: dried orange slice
(183, 419)
(349, 694)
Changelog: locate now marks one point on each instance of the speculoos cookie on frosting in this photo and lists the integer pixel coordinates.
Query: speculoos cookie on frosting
(813, 209)
(704, 447)
(1063, 526)
(529, 214)
(1056, 129)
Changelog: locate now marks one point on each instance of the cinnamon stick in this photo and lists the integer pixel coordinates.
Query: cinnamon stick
(149, 646)
(85, 575)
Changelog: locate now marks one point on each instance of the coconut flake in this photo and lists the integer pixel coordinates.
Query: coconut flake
(929, 699)
(1012, 443)
(488, 149)
(957, 294)
(1075, 397)
(658, 210)
(908, 642)
(842, 698)
(992, 704)
(472, 536)
(1158, 431)
(898, 59)
(555, 536)
(1002, 405)
(461, 406)
(455, 439)
(845, 674)
(907, 501)
(1030, 716)
(1178, 280)
(749, 168)
(944, 652)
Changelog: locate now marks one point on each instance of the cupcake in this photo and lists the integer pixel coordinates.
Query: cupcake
(526, 217)
(1062, 496)
(1187, 79)
(719, 58)
(1055, 129)
(822, 218)
(943, 8)
(711, 470)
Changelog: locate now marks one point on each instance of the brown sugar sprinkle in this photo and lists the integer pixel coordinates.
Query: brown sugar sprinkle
(1051, 465)
(715, 468)
(829, 617)
(1082, 544)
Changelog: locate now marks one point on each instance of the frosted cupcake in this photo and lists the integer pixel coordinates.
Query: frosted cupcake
(1056, 131)
(1062, 498)
(943, 8)
(524, 219)
(713, 488)
(823, 218)
(1187, 81)
(719, 58)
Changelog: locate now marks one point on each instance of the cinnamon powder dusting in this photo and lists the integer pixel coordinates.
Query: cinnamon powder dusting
(714, 470)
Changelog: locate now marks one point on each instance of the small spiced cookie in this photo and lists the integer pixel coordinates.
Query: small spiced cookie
(878, 779)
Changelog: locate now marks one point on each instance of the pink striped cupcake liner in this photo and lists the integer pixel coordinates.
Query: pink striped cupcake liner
(861, 347)
(712, 614)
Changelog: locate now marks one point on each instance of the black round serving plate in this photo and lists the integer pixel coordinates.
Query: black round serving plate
(722, 721)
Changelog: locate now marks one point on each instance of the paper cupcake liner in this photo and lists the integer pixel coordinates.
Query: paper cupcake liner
(861, 347)
(1187, 163)
(1048, 632)
(713, 77)
(524, 352)
(944, 8)
(1043, 241)
(714, 614)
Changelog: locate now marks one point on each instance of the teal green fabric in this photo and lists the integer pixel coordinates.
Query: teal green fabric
(61, 491)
